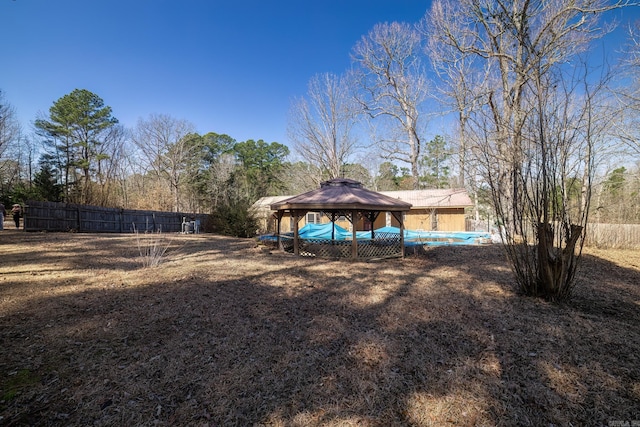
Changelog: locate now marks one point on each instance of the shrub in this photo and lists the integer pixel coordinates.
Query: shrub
(234, 218)
(152, 247)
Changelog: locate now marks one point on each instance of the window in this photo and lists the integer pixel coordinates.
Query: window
(313, 218)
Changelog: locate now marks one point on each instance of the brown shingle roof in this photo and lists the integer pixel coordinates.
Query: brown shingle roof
(342, 194)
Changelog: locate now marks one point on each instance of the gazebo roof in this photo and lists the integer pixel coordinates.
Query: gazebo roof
(342, 194)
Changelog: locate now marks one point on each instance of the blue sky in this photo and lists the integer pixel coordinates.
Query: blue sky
(228, 66)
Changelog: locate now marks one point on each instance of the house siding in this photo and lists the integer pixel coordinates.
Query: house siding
(429, 219)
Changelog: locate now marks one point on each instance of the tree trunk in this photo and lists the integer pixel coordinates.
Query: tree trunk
(555, 265)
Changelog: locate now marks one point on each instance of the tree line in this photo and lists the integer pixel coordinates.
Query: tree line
(79, 153)
(536, 131)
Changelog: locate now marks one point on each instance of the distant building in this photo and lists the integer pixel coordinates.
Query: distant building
(432, 210)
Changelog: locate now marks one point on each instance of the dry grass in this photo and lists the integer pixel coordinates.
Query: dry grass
(226, 333)
(152, 247)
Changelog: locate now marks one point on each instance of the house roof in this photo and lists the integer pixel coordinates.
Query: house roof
(342, 194)
(441, 198)
(419, 199)
(264, 203)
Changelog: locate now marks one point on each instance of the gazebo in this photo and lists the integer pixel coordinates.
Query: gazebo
(348, 198)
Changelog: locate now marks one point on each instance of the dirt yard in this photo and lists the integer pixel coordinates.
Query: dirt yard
(227, 333)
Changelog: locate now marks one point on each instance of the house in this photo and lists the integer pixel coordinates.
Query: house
(431, 210)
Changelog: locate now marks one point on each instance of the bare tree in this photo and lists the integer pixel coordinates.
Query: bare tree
(459, 86)
(109, 167)
(459, 89)
(166, 147)
(222, 171)
(393, 89)
(320, 125)
(9, 127)
(300, 177)
(536, 129)
(628, 121)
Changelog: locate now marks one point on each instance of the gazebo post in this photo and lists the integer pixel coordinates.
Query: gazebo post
(333, 226)
(400, 217)
(354, 239)
(278, 216)
(401, 220)
(296, 245)
(373, 215)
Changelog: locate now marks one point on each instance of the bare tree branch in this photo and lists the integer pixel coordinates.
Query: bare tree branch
(394, 87)
(321, 124)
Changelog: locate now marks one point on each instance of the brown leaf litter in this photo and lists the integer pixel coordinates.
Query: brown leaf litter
(223, 332)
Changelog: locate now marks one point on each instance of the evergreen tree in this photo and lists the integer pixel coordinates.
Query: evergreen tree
(75, 132)
(45, 184)
(435, 164)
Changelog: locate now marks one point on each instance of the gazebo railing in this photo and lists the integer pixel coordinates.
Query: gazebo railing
(325, 248)
(384, 245)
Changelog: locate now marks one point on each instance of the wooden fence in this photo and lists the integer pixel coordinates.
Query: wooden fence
(618, 236)
(50, 216)
(622, 236)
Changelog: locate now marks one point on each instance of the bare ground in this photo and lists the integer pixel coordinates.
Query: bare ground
(227, 333)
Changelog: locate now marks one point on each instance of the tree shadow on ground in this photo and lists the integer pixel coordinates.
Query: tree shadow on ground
(439, 339)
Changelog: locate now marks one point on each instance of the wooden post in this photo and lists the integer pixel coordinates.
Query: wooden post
(278, 221)
(333, 226)
(402, 234)
(296, 244)
(354, 241)
(400, 217)
(372, 216)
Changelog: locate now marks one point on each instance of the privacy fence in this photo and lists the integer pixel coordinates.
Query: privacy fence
(49, 216)
(618, 236)
(622, 236)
